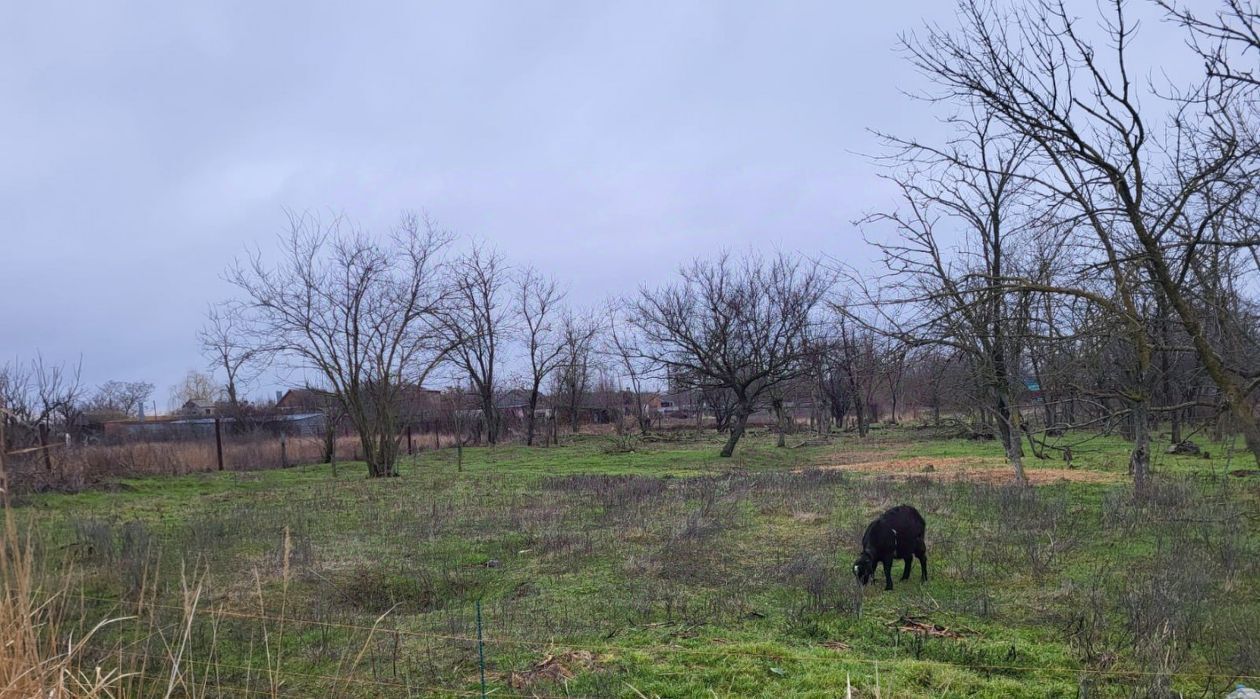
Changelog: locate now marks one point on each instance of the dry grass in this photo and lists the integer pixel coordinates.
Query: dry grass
(32, 662)
(51, 649)
(79, 467)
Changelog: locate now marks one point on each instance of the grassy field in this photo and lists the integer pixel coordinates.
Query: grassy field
(664, 571)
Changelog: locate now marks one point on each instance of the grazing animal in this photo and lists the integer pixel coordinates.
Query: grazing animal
(898, 533)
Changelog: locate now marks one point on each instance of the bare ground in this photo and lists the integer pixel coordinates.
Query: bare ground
(981, 469)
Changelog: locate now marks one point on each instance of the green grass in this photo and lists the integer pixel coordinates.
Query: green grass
(682, 574)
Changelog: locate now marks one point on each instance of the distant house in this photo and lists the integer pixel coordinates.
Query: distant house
(414, 403)
(300, 400)
(649, 402)
(197, 408)
(514, 403)
(682, 404)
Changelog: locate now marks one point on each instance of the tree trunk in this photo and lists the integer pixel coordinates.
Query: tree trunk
(490, 417)
(529, 418)
(738, 421)
(330, 443)
(778, 416)
(1251, 437)
(859, 416)
(1009, 433)
(380, 453)
(1140, 457)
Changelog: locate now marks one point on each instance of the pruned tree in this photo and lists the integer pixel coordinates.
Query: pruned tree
(357, 311)
(740, 324)
(539, 300)
(475, 321)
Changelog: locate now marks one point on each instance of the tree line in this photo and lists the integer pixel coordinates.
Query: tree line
(1076, 255)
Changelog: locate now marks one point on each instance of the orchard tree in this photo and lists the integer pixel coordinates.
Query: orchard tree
(538, 305)
(732, 323)
(358, 311)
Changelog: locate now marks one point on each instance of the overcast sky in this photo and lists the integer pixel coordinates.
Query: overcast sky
(144, 145)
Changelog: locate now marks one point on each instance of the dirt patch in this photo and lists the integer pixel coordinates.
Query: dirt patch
(980, 469)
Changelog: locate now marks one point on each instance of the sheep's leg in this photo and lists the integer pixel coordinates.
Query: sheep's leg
(921, 554)
(888, 573)
(905, 572)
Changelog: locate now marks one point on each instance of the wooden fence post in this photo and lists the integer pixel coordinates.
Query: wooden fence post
(284, 451)
(218, 441)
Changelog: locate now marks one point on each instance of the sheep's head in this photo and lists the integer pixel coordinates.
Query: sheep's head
(864, 568)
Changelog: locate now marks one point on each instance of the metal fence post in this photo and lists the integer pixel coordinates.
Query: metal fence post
(481, 652)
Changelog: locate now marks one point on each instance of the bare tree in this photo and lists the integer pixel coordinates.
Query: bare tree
(575, 366)
(358, 312)
(196, 386)
(1150, 190)
(227, 348)
(736, 324)
(40, 396)
(539, 301)
(475, 322)
(892, 371)
(954, 298)
(1215, 36)
(857, 364)
(122, 397)
(622, 345)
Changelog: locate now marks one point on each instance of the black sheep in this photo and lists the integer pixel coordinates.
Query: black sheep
(898, 533)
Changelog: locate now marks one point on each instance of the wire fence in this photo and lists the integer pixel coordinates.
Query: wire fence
(74, 464)
(516, 666)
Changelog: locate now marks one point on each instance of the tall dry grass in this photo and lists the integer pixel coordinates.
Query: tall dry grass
(77, 467)
(44, 653)
(44, 650)
(34, 660)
